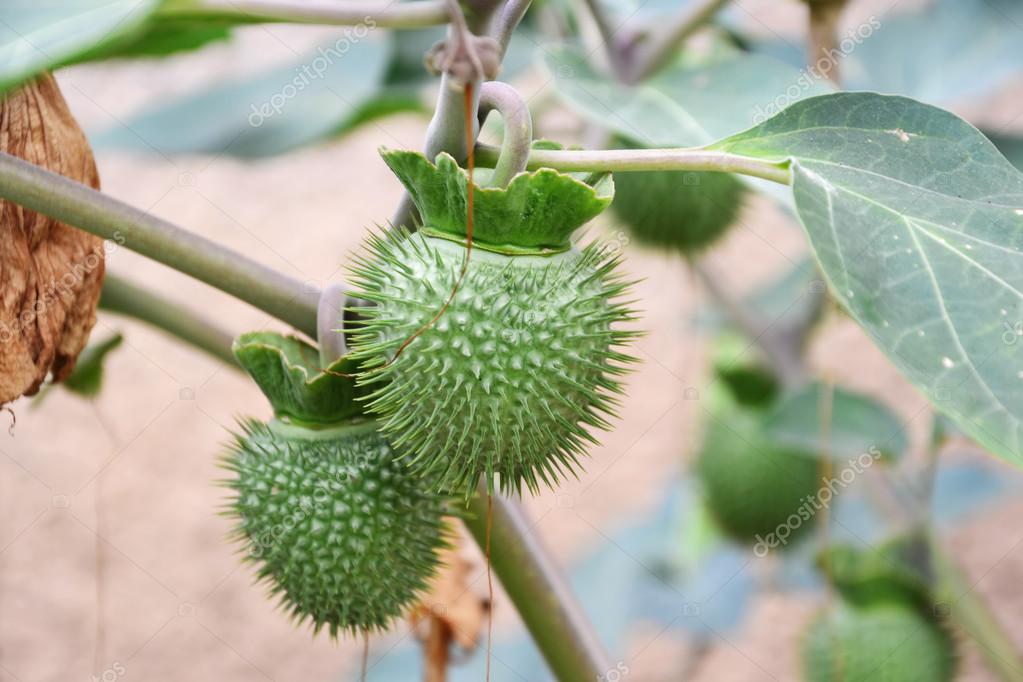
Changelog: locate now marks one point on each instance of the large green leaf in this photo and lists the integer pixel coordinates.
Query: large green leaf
(857, 424)
(916, 220)
(38, 35)
(326, 92)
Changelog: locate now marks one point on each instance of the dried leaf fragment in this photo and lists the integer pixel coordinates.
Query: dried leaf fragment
(50, 273)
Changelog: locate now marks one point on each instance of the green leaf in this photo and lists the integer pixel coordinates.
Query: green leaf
(40, 35)
(917, 222)
(325, 93)
(537, 213)
(87, 378)
(158, 38)
(687, 104)
(288, 372)
(858, 424)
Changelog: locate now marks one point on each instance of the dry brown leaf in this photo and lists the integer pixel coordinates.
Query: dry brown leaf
(450, 612)
(50, 273)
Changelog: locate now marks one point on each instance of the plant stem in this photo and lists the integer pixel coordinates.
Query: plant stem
(518, 129)
(625, 160)
(663, 44)
(970, 612)
(53, 195)
(407, 15)
(129, 299)
(782, 353)
(822, 43)
(543, 599)
(446, 132)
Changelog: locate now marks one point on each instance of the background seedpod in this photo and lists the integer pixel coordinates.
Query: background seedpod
(342, 531)
(884, 641)
(756, 489)
(503, 385)
(680, 211)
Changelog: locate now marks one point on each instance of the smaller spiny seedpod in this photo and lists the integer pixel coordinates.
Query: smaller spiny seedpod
(341, 529)
(887, 641)
(683, 211)
(760, 492)
(50, 272)
(502, 382)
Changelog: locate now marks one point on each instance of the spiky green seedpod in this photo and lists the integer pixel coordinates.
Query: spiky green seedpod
(502, 385)
(886, 641)
(342, 531)
(743, 371)
(675, 210)
(760, 492)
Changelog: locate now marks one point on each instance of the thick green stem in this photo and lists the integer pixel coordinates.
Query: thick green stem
(126, 298)
(71, 202)
(626, 160)
(543, 599)
(408, 15)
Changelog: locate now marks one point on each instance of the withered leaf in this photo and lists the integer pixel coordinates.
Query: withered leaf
(50, 273)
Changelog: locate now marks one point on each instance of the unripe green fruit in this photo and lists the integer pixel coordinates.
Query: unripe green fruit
(504, 382)
(741, 369)
(342, 531)
(683, 211)
(758, 491)
(879, 643)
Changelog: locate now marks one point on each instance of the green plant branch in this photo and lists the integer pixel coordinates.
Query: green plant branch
(543, 599)
(782, 353)
(53, 195)
(626, 160)
(132, 300)
(406, 15)
(658, 49)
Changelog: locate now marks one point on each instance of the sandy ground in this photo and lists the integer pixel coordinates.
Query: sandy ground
(113, 561)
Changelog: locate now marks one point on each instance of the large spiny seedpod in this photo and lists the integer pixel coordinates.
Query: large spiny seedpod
(504, 383)
(882, 641)
(682, 211)
(50, 273)
(341, 529)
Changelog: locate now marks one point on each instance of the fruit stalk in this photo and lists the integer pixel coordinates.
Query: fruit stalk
(518, 129)
(409, 15)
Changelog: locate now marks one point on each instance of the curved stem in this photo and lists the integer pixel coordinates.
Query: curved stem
(518, 129)
(71, 202)
(446, 132)
(625, 160)
(543, 599)
(131, 300)
(416, 14)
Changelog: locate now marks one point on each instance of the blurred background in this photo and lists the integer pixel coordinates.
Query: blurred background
(114, 560)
